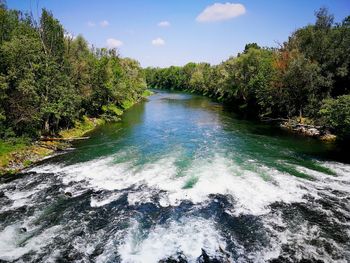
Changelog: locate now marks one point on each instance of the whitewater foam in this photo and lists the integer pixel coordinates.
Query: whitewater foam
(104, 200)
(14, 244)
(252, 189)
(186, 236)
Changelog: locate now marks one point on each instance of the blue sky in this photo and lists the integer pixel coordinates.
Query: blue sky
(174, 32)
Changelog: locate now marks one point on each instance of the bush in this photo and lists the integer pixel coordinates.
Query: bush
(335, 114)
(111, 112)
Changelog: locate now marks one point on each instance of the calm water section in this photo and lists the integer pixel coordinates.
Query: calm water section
(179, 178)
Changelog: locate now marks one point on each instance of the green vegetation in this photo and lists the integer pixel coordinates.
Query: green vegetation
(307, 78)
(10, 146)
(18, 153)
(336, 113)
(52, 84)
(147, 93)
(49, 81)
(81, 127)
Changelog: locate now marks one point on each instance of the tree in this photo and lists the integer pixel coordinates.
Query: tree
(327, 44)
(335, 113)
(250, 45)
(80, 66)
(52, 35)
(48, 80)
(22, 65)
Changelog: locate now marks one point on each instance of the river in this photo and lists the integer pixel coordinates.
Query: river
(180, 178)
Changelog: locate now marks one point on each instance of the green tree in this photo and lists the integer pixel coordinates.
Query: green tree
(335, 113)
(300, 84)
(52, 35)
(22, 66)
(327, 44)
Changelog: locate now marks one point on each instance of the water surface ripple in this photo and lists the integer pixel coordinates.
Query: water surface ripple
(180, 178)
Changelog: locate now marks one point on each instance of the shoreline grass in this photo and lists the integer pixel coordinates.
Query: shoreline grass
(19, 153)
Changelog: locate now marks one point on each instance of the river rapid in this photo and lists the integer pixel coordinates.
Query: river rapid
(180, 179)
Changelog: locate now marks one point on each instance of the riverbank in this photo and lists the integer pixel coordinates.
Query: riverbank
(17, 154)
(20, 153)
(308, 130)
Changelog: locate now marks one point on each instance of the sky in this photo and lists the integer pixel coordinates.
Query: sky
(161, 33)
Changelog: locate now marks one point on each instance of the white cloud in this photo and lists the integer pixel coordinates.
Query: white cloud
(158, 42)
(91, 24)
(113, 43)
(218, 12)
(104, 23)
(164, 24)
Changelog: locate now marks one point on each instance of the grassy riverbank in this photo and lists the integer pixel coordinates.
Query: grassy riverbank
(19, 153)
(9, 147)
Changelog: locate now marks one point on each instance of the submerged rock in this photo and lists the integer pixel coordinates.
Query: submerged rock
(221, 257)
(179, 259)
(69, 194)
(204, 257)
(23, 230)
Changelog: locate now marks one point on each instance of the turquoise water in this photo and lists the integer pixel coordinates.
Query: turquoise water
(177, 175)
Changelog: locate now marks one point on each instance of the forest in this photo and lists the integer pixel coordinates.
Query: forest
(48, 79)
(306, 79)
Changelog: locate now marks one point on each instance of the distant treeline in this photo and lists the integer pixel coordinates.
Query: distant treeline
(49, 79)
(307, 78)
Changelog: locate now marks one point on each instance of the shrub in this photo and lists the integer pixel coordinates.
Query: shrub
(335, 114)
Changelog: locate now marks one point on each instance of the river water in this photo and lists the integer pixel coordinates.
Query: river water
(180, 179)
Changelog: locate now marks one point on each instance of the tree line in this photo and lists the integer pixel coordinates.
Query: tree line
(48, 79)
(307, 78)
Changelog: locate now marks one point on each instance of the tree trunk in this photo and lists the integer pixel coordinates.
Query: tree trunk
(47, 126)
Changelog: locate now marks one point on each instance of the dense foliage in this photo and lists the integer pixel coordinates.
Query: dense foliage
(49, 79)
(336, 112)
(302, 78)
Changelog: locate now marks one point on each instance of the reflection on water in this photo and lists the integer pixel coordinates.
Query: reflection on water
(180, 178)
